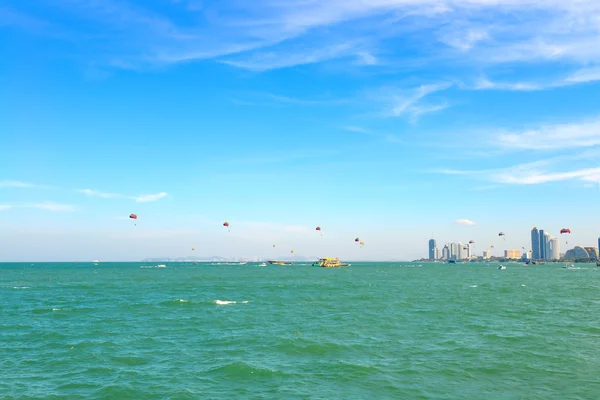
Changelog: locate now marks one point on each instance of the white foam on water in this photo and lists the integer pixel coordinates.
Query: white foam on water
(473, 285)
(56, 309)
(227, 302)
(223, 302)
(523, 285)
(21, 287)
(183, 301)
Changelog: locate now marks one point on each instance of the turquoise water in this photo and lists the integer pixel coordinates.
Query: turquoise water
(381, 331)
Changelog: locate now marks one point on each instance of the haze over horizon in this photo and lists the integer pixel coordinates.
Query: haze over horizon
(390, 120)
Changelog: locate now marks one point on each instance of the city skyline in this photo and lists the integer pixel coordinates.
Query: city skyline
(387, 121)
(543, 247)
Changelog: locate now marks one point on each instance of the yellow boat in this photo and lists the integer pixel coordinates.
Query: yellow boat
(329, 262)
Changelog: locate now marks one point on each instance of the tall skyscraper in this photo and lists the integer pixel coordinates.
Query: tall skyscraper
(542, 242)
(535, 243)
(462, 252)
(553, 249)
(546, 241)
(432, 249)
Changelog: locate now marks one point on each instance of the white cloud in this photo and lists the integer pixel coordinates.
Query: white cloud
(557, 136)
(487, 31)
(55, 207)
(584, 75)
(486, 84)
(409, 103)
(465, 40)
(155, 233)
(104, 195)
(524, 177)
(146, 198)
(465, 222)
(5, 207)
(19, 184)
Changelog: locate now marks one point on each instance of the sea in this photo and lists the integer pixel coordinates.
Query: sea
(367, 331)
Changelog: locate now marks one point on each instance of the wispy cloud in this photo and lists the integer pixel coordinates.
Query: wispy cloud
(20, 184)
(584, 75)
(104, 195)
(270, 99)
(465, 222)
(557, 136)
(388, 137)
(146, 198)
(48, 206)
(272, 34)
(519, 176)
(55, 207)
(486, 84)
(410, 103)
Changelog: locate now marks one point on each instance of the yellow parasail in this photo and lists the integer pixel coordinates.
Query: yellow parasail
(274, 245)
(292, 251)
(193, 249)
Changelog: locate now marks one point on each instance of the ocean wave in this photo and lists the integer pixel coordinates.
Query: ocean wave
(21, 287)
(227, 302)
(242, 369)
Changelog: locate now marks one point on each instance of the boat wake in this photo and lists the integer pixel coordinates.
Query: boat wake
(227, 302)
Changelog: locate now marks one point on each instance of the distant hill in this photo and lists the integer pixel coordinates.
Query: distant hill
(221, 259)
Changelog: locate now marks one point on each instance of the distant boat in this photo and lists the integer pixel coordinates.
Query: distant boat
(330, 262)
(262, 265)
(571, 266)
(161, 266)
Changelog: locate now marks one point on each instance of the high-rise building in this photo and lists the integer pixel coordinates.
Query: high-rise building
(437, 253)
(592, 251)
(454, 254)
(577, 252)
(553, 249)
(512, 254)
(535, 243)
(432, 249)
(542, 242)
(487, 254)
(446, 253)
(463, 250)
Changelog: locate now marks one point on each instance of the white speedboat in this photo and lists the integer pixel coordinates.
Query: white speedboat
(161, 266)
(262, 265)
(501, 266)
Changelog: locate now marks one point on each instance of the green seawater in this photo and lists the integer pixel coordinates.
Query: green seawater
(368, 331)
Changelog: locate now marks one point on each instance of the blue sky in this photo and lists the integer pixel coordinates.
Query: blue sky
(390, 120)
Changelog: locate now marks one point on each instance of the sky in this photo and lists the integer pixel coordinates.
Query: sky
(394, 121)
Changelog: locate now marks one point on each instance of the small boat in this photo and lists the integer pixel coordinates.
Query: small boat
(571, 266)
(501, 266)
(262, 265)
(161, 266)
(330, 262)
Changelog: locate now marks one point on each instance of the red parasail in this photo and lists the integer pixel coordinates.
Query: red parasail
(357, 240)
(132, 216)
(565, 231)
(318, 228)
(225, 223)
